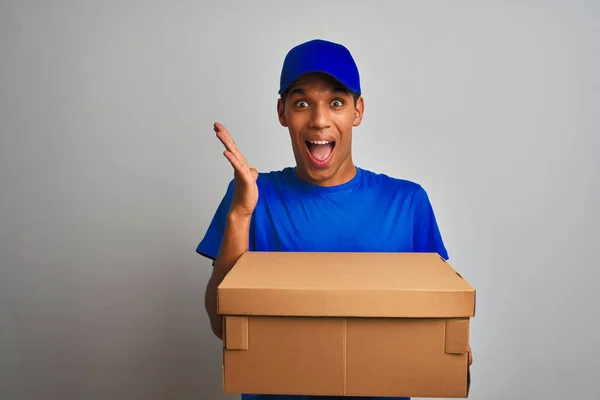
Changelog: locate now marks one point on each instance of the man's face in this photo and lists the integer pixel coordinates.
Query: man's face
(320, 114)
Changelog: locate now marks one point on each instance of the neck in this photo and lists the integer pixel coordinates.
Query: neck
(344, 174)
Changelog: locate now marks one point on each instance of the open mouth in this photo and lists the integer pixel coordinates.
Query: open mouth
(320, 151)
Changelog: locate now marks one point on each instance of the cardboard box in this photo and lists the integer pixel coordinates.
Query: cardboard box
(346, 324)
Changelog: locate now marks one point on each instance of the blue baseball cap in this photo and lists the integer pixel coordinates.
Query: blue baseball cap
(320, 56)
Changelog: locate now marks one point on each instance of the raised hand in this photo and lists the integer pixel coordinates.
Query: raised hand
(245, 194)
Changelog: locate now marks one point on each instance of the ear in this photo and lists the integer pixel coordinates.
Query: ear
(281, 113)
(358, 111)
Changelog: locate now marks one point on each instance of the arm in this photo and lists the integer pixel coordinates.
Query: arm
(427, 236)
(235, 243)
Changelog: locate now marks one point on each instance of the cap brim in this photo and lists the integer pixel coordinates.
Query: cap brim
(320, 71)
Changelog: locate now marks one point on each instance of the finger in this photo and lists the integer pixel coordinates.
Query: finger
(470, 353)
(235, 162)
(231, 148)
(237, 165)
(228, 142)
(225, 138)
(254, 173)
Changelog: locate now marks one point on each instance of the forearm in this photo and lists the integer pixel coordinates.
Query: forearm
(234, 244)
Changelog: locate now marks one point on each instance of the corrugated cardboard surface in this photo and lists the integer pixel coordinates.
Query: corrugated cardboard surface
(288, 356)
(311, 323)
(345, 284)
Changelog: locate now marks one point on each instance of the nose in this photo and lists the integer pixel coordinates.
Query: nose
(319, 117)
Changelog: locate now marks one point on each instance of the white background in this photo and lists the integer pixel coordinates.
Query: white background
(110, 174)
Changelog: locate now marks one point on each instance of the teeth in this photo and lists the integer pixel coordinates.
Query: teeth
(319, 141)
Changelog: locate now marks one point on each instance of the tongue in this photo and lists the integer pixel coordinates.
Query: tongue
(321, 151)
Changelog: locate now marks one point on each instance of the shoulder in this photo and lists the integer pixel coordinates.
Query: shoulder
(275, 179)
(390, 184)
(275, 175)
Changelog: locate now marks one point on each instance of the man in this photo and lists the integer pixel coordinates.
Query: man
(325, 202)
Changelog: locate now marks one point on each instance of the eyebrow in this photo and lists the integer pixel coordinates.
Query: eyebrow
(302, 92)
(297, 91)
(339, 89)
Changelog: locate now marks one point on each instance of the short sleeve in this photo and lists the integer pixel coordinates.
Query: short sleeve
(211, 243)
(427, 236)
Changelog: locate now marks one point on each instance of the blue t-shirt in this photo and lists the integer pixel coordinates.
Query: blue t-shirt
(370, 213)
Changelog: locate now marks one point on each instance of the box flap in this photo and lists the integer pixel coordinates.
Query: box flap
(236, 333)
(457, 336)
(419, 285)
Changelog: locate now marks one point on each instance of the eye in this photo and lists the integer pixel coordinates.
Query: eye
(337, 103)
(301, 104)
